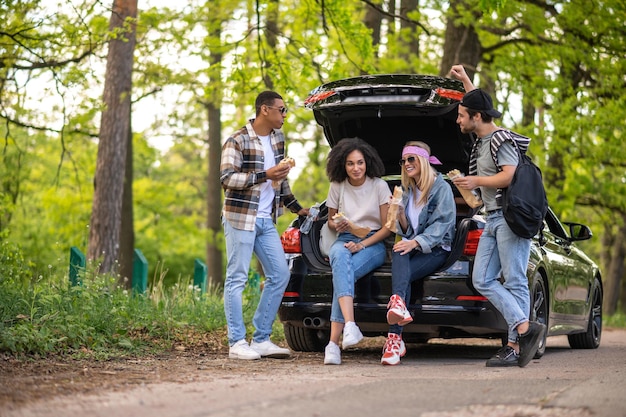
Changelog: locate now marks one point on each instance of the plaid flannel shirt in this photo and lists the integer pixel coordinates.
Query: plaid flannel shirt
(242, 170)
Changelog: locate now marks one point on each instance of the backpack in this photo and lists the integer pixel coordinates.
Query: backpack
(524, 201)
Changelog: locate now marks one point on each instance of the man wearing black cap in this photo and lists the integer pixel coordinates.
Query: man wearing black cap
(500, 250)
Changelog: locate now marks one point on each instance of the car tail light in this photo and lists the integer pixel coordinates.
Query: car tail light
(471, 242)
(291, 294)
(291, 240)
(452, 94)
(318, 97)
(471, 298)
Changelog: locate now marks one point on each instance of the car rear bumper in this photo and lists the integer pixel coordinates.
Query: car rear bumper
(446, 321)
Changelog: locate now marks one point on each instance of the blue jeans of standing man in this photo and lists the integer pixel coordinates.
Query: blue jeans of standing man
(500, 251)
(408, 268)
(240, 244)
(349, 267)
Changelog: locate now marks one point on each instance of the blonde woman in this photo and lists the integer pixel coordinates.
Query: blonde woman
(426, 223)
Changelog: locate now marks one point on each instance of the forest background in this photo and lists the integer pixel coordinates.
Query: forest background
(113, 113)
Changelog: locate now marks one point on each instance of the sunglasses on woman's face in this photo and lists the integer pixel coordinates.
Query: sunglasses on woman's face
(410, 160)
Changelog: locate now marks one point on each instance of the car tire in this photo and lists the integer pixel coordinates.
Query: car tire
(306, 340)
(591, 338)
(539, 309)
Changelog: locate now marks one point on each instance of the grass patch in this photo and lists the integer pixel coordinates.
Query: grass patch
(616, 320)
(45, 315)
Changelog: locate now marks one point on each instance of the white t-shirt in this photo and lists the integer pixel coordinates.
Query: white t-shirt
(412, 211)
(267, 192)
(361, 204)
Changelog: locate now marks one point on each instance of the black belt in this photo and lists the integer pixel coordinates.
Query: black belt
(489, 212)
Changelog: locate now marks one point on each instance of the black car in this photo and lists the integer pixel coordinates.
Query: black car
(387, 111)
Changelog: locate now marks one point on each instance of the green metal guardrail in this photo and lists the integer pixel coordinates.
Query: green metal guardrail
(139, 282)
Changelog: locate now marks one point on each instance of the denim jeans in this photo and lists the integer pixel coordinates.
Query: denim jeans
(500, 251)
(348, 268)
(240, 244)
(408, 268)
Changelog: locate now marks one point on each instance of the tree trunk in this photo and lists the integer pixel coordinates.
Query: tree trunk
(271, 33)
(214, 206)
(461, 44)
(127, 232)
(391, 8)
(372, 20)
(106, 214)
(214, 254)
(614, 262)
(410, 39)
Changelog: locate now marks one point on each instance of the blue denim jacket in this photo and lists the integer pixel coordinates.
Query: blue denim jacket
(436, 221)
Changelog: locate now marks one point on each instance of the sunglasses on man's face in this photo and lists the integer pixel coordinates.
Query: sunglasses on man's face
(282, 110)
(410, 160)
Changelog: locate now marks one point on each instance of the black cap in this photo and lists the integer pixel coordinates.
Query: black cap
(480, 101)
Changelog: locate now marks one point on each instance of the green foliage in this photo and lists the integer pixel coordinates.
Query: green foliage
(616, 320)
(45, 315)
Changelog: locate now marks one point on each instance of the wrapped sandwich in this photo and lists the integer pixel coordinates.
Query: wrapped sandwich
(356, 230)
(471, 197)
(394, 206)
(289, 161)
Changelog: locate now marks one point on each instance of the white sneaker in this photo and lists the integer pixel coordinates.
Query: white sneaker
(332, 354)
(351, 335)
(269, 350)
(241, 350)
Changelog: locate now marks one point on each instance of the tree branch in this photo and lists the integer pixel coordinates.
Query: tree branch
(395, 16)
(44, 129)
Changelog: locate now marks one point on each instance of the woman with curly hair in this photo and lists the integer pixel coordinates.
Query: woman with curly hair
(361, 198)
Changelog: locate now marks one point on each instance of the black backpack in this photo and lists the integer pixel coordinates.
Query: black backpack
(524, 201)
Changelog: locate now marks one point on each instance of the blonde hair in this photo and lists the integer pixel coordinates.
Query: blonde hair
(426, 177)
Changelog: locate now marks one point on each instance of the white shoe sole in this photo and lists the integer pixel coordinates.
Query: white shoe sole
(242, 357)
(276, 355)
(393, 318)
(389, 362)
(350, 342)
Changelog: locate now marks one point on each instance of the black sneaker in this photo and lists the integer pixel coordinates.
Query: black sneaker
(529, 342)
(506, 356)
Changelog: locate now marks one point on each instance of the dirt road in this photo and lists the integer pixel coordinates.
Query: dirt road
(441, 379)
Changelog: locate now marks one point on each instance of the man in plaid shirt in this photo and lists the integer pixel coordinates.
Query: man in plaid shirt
(255, 192)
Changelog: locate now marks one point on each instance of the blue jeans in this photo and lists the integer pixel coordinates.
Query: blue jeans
(500, 251)
(408, 268)
(240, 244)
(348, 268)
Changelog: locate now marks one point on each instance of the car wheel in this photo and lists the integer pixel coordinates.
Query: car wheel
(591, 338)
(539, 309)
(306, 340)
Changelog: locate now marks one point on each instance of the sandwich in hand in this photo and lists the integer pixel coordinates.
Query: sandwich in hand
(356, 230)
(394, 206)
(471, 197)
(286, 160)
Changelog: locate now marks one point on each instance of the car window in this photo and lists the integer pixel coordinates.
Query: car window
(553, 224)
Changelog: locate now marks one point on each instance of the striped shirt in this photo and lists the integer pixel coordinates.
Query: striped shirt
(241, 173)
(497, 139)
(509, 157)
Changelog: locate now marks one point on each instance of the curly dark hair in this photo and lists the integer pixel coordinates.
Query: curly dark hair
(336, 166)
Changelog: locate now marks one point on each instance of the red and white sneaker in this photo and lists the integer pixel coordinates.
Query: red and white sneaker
(397, 312)
(394, 349)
